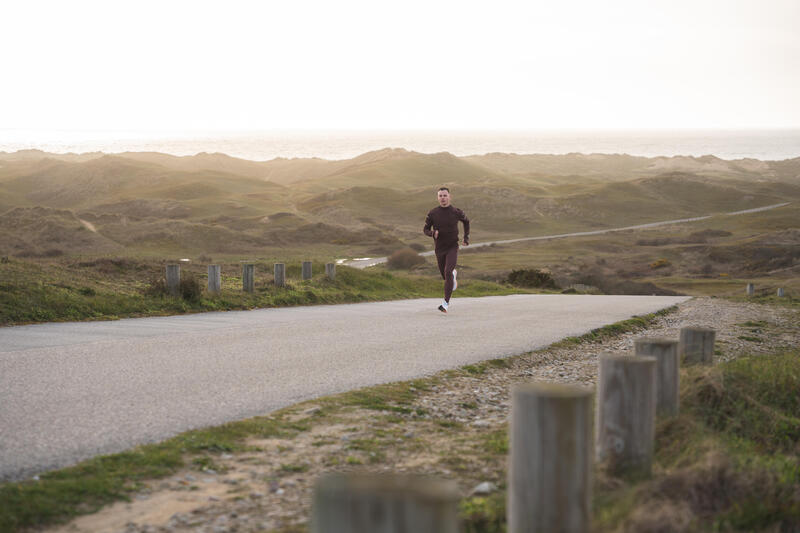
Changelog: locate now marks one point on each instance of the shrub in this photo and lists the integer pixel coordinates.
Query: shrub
(190, 288)
(405, 258)
(697, 235)
(156, 287)
(530, 277)
(659, 263)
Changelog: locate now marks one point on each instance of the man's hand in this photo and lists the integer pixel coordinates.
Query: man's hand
(436, 234)
(466, 242)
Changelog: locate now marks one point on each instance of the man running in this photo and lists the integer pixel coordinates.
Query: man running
(442, 224)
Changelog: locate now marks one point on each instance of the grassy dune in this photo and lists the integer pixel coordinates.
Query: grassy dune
(58, 211)
(212, 203)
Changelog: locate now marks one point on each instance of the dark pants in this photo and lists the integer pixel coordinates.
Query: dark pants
(447, 262)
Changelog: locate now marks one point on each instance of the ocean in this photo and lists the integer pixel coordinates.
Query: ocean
(329, 144)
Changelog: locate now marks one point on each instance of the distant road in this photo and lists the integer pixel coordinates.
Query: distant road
(70, 391)
(364, 262)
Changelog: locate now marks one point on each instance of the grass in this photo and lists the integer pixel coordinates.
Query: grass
(637, 323)
(61, 494)
(728, 462)
(107, 290)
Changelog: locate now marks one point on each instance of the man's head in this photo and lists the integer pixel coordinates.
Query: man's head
(443, 196)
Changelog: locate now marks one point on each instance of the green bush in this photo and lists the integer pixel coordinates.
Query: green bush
(531, 277)
(190, 288)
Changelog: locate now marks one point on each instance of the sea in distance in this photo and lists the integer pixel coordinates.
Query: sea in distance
(763, 144)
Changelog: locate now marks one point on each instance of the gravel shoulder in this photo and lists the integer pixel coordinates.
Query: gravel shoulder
(452, 426)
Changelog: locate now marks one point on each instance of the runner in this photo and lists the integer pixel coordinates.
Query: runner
(442, 224)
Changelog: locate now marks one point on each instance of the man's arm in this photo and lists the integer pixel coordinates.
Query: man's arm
(427, 230)
(465, 221)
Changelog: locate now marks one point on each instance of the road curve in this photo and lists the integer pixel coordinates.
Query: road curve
(364, 262)
(69, 391)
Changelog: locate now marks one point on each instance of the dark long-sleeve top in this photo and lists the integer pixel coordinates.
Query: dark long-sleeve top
(445, 219)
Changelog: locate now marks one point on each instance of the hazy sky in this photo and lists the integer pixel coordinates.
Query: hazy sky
(194, 65)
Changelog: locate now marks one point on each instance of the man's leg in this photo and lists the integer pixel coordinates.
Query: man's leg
(441, 259)
(450, 263)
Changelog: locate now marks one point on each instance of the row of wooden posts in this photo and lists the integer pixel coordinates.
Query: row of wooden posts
(551, 450)
(751, 290)
(173, 276)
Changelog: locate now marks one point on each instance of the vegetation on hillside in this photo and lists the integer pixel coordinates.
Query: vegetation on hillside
(212, 203)
(110, 288)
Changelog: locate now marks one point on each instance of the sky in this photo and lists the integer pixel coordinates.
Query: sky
(236, 65)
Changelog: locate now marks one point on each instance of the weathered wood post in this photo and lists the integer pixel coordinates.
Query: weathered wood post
(550, 469)
(330, 270)
(751, 289)
(248, 277)
(780, 292)
(667, 371)
(214, 279)
(696, 345)
(280, 275)
(306, 269)
(173, 279)
(626, 413)
(374, 503)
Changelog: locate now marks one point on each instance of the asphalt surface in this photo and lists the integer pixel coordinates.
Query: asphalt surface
(70, 391)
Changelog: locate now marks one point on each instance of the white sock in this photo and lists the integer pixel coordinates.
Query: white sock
(444, 304)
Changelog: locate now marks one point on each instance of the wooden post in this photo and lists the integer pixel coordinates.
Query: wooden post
(626, 412)
(550, 469)
(280, 275)
(780, 292)
(306, 269)
(696, 345)
(374, 503)
(667, 371)
(173, 279)
(214, 279)
(330, 270)
(751, 289)
(248, 277)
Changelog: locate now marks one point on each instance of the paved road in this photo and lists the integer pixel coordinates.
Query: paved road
(70, 391)
(364, 262)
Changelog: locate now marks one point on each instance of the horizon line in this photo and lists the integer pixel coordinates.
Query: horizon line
(394, 148)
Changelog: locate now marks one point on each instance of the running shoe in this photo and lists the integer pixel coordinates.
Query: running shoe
(455, 282)
(443, 307)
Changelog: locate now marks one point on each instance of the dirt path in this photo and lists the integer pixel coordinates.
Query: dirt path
(365, 262)
(452, 427)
